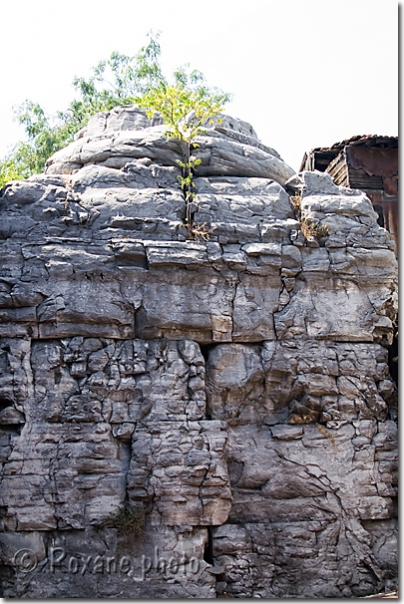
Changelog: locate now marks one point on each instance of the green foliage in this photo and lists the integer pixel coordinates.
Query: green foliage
(187, 107)
(113, 82)
(122, 78)
(11, 170)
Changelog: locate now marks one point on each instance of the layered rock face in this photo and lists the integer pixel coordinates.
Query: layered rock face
(233, 391)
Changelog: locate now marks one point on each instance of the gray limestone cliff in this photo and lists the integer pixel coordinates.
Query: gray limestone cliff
(232, 395)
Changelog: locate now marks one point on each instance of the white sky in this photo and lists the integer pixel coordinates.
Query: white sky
(304, 73)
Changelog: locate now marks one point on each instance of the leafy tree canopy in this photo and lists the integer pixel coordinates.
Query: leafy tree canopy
(186, 105)
(120, 80)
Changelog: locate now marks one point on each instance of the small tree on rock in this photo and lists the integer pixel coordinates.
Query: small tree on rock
(187, 106)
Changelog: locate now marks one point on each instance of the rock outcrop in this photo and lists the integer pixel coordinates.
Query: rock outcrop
(231, 395)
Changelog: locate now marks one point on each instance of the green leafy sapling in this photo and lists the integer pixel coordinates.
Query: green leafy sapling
(187, 107)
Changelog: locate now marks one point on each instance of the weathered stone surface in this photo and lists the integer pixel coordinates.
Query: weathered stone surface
(97, 261)
(114, 138)
(235, 389)
(263, 383)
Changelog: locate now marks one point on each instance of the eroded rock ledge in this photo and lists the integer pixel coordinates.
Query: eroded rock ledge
(236, 389)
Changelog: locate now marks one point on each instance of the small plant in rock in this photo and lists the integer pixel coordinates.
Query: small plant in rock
(326, 433)
(310, 228)
(296, 203)
(130, 521)
(200, 231)
(187, 107)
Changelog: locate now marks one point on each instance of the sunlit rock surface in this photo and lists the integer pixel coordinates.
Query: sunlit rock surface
(234, 388)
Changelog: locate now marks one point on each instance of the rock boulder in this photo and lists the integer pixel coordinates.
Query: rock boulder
(193, 418)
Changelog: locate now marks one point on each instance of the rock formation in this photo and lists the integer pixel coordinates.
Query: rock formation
(233, 391)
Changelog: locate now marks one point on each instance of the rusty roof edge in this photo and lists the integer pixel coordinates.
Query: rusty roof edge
(357, 140)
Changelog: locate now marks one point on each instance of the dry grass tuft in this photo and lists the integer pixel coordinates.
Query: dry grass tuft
(310, 228)
(128, 521)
